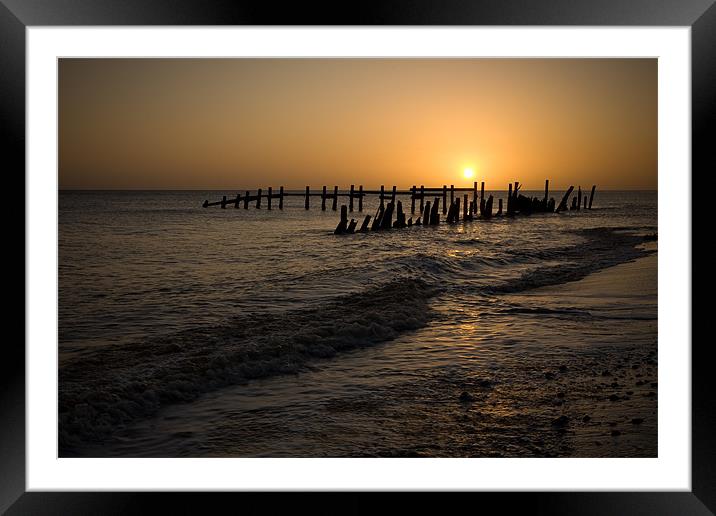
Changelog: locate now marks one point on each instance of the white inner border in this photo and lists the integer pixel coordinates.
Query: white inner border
(671, 470)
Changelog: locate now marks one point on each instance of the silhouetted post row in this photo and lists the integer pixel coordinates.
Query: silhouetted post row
(390, 213)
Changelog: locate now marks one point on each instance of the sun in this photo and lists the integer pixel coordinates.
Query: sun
(469, 173)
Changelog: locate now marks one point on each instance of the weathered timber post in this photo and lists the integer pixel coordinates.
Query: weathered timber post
(585, 201)
(488, 207)
(464, 208)
(509, 199)
(410, 222)
(323, 199)
(350, 202)
(246, 200)
(364, 226)
(308, 196)
(400, 217)
(434, 215)
(238, 200)
(482, 190)
(457, 210)
(591, 196)
(342, 225)
(499, 206)
(444, 199)
(426, 213)
(474, 195)
(387, 220)
(422, 198)
(452, 194)
(223, 203)
(280, 198)
(378, 217)
(579, 197)
(352, 226)
(563, 202)
(360, 198)
(574, 203)
(258, 199)
(382, 194)
(206, 203)
(335, 198)
(546, 191)
(392, 198)
(270, 189)
(412, 200)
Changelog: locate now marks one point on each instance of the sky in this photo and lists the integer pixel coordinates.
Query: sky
(250, 123)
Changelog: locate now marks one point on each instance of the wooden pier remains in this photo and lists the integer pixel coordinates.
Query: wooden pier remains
(428, 211)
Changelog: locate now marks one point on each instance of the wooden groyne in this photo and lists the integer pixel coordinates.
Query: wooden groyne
(429, 203)
(429, 213)
(355, 196)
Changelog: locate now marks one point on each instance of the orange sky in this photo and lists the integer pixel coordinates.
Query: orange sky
(248, 123)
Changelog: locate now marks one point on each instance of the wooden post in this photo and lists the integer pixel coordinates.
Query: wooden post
(377, 218)
(269, 197)
(392, 199)
(457, 210)
(579, 197)
(308, 197)
(444, 199)
(474, 196)
(350, 202)
(223, 203)
(382, 194)
(280, 198)
(488, 207)
(387, 221)
(546, 191)
(400, 216)
(434, 215)
(509, 199)
(563, 203)
(238, 200)
(464, 208)
(323, 199)
(206, 203)
(360, 198)
(452, 194)
(499, 206)
(412, 200)
(352, 226)
(342, 225)
(482, 190)
(335, 198)
(364, 226)
(258, 199)
(422, 198)
(591, 196)
(246, 200)
(585, 201)
(426, 213)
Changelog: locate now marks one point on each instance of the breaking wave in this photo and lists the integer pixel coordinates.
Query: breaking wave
(114, 385)
(109, 386)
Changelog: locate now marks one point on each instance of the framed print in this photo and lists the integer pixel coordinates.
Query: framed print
(412, 250)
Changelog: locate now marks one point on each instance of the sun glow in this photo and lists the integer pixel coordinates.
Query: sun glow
(469, 173)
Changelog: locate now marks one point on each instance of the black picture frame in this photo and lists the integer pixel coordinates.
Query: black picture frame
(17, 15)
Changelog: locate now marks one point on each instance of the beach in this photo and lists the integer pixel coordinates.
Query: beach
(526, 337)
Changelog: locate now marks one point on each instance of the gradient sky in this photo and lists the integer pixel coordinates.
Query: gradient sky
(248, 123)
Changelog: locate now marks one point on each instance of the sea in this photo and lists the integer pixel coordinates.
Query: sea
(186, 331)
